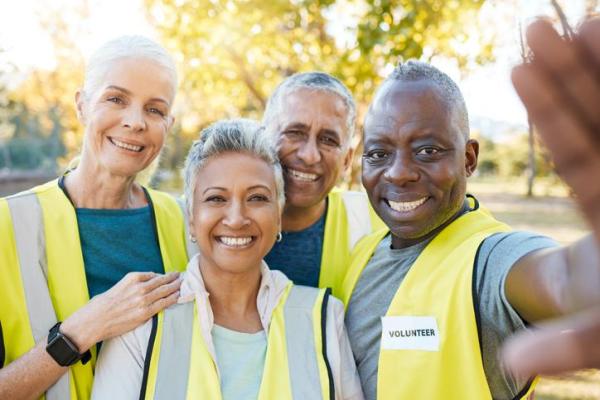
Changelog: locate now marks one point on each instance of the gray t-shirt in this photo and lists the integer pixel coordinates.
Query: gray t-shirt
(383, 275)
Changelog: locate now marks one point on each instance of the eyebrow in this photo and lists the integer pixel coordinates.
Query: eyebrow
(297, 125)
(222, 189)
(260, 187)
(127, 92)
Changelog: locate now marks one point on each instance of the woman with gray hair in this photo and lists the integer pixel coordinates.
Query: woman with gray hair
(239, 330)
(94, 233)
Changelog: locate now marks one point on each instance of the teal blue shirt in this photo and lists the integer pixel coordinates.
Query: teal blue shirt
(241, 360)
(115, 242)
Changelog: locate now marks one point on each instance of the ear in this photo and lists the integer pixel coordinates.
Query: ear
(471, 155)
(80, 105)
(348, 157)
(191, 225)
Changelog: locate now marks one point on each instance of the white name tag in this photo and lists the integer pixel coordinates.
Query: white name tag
(410, 333)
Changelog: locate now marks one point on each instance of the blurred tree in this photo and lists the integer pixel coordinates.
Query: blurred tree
(232, 54)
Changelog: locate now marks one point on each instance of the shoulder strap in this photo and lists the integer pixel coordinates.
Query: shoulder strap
(359, 218)
(2, 356)
(28, 228)
(175, 349)
(304, 309)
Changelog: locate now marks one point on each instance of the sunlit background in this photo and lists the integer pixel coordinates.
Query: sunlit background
(231, 54)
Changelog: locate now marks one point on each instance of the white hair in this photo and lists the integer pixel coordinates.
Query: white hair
(413, 71)
(124, 47)
(313, 81)
(235, 135)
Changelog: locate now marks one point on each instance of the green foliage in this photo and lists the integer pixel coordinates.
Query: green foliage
(232, 54)
(510, 158)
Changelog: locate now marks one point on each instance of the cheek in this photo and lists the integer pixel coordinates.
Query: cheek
(204, 221)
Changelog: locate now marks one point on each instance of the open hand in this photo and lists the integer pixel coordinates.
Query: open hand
(128, 304)
(561, 91)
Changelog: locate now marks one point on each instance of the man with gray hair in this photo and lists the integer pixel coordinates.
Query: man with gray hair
(311, 116)
(431, 299)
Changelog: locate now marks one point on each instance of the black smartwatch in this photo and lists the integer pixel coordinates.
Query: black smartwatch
(62, 349)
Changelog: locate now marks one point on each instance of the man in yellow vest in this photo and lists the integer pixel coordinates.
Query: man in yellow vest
(311, 116)
(431, 297)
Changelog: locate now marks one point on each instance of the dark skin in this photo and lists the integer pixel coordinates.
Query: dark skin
(561, 91)
(415, 165)
(414, 151)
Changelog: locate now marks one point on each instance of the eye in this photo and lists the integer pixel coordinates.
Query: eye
(215, 199)
(374, 156)
(258, 197)
(156, 111)
(293, 133)
(429, 151)
(329, 141)
(115, 99)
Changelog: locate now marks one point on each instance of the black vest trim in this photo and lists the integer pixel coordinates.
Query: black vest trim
(324, 341)
(151, 341)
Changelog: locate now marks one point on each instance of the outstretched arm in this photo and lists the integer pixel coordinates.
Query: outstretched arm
(561, 91)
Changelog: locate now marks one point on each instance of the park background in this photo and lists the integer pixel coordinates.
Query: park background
(231, 55)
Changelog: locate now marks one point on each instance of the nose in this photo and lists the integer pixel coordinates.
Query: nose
(235, 216)
(402, 171)
(309, 153)
(134, 119)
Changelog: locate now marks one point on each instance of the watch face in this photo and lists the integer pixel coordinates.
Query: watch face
(62, 351)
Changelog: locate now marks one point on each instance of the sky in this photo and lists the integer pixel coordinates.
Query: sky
(491, 100)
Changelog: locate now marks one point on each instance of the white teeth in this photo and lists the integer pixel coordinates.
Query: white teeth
(126, 146)
(235, 241)
(303, 176)
(406, 206)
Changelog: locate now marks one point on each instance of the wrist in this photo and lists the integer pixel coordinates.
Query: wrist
(82, 333)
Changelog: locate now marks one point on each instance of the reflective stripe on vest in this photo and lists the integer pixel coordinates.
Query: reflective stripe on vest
(26, 214)
(444, 269)
(349, 218)
(38, 230)
(296, 365)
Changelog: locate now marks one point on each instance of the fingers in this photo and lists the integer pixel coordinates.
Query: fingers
(559, 347)
(561, 94)
(162, 303)
(159, 280)
(164, 290)
(574, 155)
(589, 32)
(568, 68)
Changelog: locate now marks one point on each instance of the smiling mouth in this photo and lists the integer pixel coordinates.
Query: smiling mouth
(302, 176)
(126, 146)
(235, 242)
(406, 206)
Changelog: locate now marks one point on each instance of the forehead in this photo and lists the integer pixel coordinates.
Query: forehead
(233, 169)
(403, 108)
(140, 76)
(307, 105)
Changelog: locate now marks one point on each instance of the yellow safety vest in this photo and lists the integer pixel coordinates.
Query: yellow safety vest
(42, 276)
(349, 218)
(296, 365)
(438, 287)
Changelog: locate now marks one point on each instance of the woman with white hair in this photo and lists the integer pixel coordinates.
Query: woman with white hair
(94, 233)
(240, 330)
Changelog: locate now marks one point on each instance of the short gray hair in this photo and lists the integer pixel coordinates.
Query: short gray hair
(235, 135)
(413, 70)
(311, 81)
(133, 46)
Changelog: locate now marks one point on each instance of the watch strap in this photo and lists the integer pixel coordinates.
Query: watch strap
(71, 358)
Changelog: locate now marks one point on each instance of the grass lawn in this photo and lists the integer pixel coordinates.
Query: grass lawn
(554, 214)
